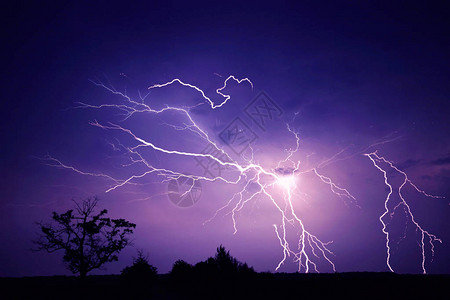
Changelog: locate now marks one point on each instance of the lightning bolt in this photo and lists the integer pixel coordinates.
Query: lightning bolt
(280, 189)
(426, 237)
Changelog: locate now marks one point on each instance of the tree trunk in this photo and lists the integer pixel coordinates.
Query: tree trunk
(83, 269)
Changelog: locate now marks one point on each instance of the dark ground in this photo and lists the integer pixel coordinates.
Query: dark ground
(258, 286)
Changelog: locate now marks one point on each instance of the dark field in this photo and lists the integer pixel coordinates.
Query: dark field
(256, 286)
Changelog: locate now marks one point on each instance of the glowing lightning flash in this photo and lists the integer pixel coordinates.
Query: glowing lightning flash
(271, 184)
(286, 182)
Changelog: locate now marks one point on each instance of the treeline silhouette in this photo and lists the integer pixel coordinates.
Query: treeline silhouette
(209, 278)
(222, 266)
(221, 276)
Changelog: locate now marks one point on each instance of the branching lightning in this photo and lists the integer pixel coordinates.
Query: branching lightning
(278, 185)
(426, 237)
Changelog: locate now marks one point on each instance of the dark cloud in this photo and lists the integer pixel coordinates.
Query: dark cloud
(409, 163)
(285, 171)
(441, 161)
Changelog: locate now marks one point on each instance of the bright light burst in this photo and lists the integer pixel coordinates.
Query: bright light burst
(287, 182)
(279, 186)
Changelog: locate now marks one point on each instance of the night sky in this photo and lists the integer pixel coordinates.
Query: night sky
(343, 76)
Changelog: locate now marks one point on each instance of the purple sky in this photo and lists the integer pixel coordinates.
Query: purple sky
(352, 75)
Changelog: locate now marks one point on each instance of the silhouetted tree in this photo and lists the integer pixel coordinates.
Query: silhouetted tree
(141, 269)
(228, 265)
(89, 239)
(225, 262)
(180, 270)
